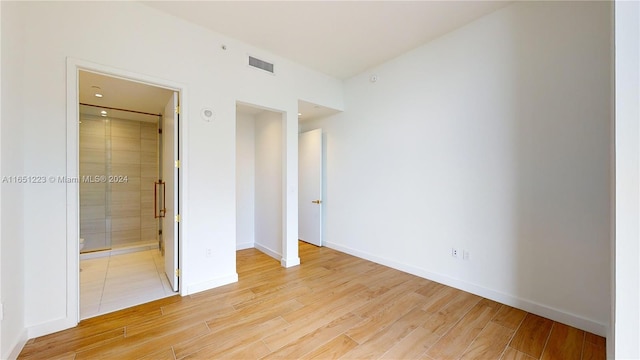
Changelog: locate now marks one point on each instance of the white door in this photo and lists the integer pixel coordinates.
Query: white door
(310, 187)
(170, 177)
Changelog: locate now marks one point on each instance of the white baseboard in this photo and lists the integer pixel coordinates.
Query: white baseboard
(287, 263)
(268, 251)
(507, 299)
(207, 285)
(15, 351)
(50, 327)
(247, 245)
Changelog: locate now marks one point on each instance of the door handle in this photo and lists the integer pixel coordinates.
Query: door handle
(161, 213)
(317, 201)
(155, 199)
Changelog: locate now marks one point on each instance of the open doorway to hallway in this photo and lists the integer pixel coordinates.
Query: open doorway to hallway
(259, 179)
(128, 193)
(311, 170)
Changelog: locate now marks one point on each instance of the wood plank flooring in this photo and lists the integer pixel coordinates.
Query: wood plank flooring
(331, 306)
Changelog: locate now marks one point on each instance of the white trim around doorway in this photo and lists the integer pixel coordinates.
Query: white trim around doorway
(72, 189)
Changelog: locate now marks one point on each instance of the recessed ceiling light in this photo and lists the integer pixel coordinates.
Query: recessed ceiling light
(96, 91)
(299, 114)
(103, 113)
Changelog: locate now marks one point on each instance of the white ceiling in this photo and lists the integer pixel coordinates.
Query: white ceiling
(309, 111)
(121, 94)
(250, 110)
(306, 111)
(338, 38)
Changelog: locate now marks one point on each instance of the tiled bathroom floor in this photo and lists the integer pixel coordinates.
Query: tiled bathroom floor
(120, 281)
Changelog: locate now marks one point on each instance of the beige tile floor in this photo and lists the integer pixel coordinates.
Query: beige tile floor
(117, 282)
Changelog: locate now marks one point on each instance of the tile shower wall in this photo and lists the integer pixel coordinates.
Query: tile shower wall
(117, 214)
(93, 196)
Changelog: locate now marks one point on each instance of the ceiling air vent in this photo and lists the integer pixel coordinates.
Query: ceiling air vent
(260, 64)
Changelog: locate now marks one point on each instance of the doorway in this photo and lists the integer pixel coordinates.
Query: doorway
(259, 179)
(311, 169)
(128, 192)
(310, 203)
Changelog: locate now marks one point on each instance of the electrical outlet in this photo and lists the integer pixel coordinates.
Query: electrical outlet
(465, 255)
(209, 252)
(454, 252)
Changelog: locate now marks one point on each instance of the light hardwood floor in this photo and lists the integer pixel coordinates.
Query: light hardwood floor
(332, 306)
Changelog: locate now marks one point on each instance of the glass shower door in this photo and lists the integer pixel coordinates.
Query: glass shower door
(95, 220)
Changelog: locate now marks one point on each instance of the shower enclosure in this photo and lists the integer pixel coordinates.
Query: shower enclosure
(119, 168)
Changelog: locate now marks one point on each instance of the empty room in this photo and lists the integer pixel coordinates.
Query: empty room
(342, 179)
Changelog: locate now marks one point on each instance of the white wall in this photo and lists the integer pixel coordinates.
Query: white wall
(268, 181)
(12, 241)
(245, 181)
(626, 312)
(494, 139)
(259, 182)
(141, 40)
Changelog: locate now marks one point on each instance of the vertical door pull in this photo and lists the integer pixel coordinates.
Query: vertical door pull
(159, 213)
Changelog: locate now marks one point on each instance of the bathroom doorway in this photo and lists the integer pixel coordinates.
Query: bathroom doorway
(128, 192)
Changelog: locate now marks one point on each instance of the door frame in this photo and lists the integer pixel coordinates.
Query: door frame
(72, 171)
(285, 253)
